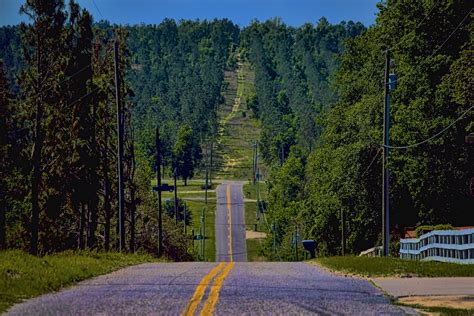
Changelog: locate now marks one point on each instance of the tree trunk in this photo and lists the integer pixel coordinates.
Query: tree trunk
(3, 209)
(133, 210)
(92, 241)
(36, 160)
(82, 224)
(105, 168)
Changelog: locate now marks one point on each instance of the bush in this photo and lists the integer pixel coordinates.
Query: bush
(420, 230)
(182, 209)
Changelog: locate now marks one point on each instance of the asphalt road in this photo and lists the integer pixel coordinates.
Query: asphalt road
(230, 288)
(230, 222)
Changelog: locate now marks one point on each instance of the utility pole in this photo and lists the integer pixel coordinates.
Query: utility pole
(253, 163)
(385, 171)
(158, 183)
(203, 233)
(121, 214)
(296, 242)
(274, 239)
(257, 177)
(207, 177)
(343, 237)
(176, 197)
(210, 169)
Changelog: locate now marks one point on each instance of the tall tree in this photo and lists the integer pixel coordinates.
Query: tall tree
(186, 153)
(41, 41)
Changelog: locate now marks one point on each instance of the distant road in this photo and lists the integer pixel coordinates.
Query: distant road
(230, 222)
(229, 288)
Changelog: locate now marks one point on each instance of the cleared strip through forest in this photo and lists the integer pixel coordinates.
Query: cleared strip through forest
(238, 129)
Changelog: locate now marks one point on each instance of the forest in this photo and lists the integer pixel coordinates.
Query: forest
(319, 102)
(327, 182)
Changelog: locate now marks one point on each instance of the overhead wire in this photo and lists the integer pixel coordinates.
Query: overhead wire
(98, 10)
(455, 121)
(415, 28)
(439, 47)
(434, 136)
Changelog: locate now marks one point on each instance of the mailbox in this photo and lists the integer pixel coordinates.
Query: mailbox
(310, 246)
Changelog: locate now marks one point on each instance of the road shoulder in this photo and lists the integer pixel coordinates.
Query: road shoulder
(454, 292)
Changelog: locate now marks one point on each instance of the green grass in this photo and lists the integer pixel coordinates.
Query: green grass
(210, 243)
(238, 129)
(194, 195)
(439, 310)
(380, 267)
(255, 250)
(250, 190)
(24, 276)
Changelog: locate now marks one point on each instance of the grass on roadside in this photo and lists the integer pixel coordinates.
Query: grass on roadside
(250, 190)
(255, 250)
(194, 194)
(196, 208)
(383, 267)
(24, 276)
(438, 310)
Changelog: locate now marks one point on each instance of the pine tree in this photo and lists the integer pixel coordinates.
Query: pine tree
(42, 41)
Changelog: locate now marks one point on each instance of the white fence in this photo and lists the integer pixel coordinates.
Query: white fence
(440, 245)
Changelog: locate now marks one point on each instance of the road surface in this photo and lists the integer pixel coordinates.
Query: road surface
(228, 288)
(230, 222)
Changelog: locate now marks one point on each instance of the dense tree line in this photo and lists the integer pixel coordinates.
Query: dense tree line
(319, 98)
(58, 137)
(339, 177)
(293, 67)
(177, 75)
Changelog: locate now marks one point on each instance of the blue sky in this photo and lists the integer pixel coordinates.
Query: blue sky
(293, 12)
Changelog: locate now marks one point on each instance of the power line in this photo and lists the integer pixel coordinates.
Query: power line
(415, 28)
(84, 96)
(437, 48)
(373, 160)
(98, 10)
(435, 135)
(452, 33)
(63, 81)
(67, 78)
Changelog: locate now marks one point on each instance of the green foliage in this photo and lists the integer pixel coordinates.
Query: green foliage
(186, 153)
(177, 75)
(342, 169)
(182, 210)
(24, 276)
(420, 230)
(387, 266)
(58, 173)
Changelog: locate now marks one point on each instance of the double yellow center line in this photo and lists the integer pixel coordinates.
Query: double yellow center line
(219, 273)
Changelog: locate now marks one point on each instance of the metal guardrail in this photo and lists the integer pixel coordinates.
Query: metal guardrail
(372, 252)
(440, 245)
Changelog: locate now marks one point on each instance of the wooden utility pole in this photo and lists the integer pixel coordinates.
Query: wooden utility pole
(343, 237)
(210, 168)
(253, 163)
(107, 187)
(176, 196)
(121, 215)
(158, 183)
(385, 171)
(207, 176)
